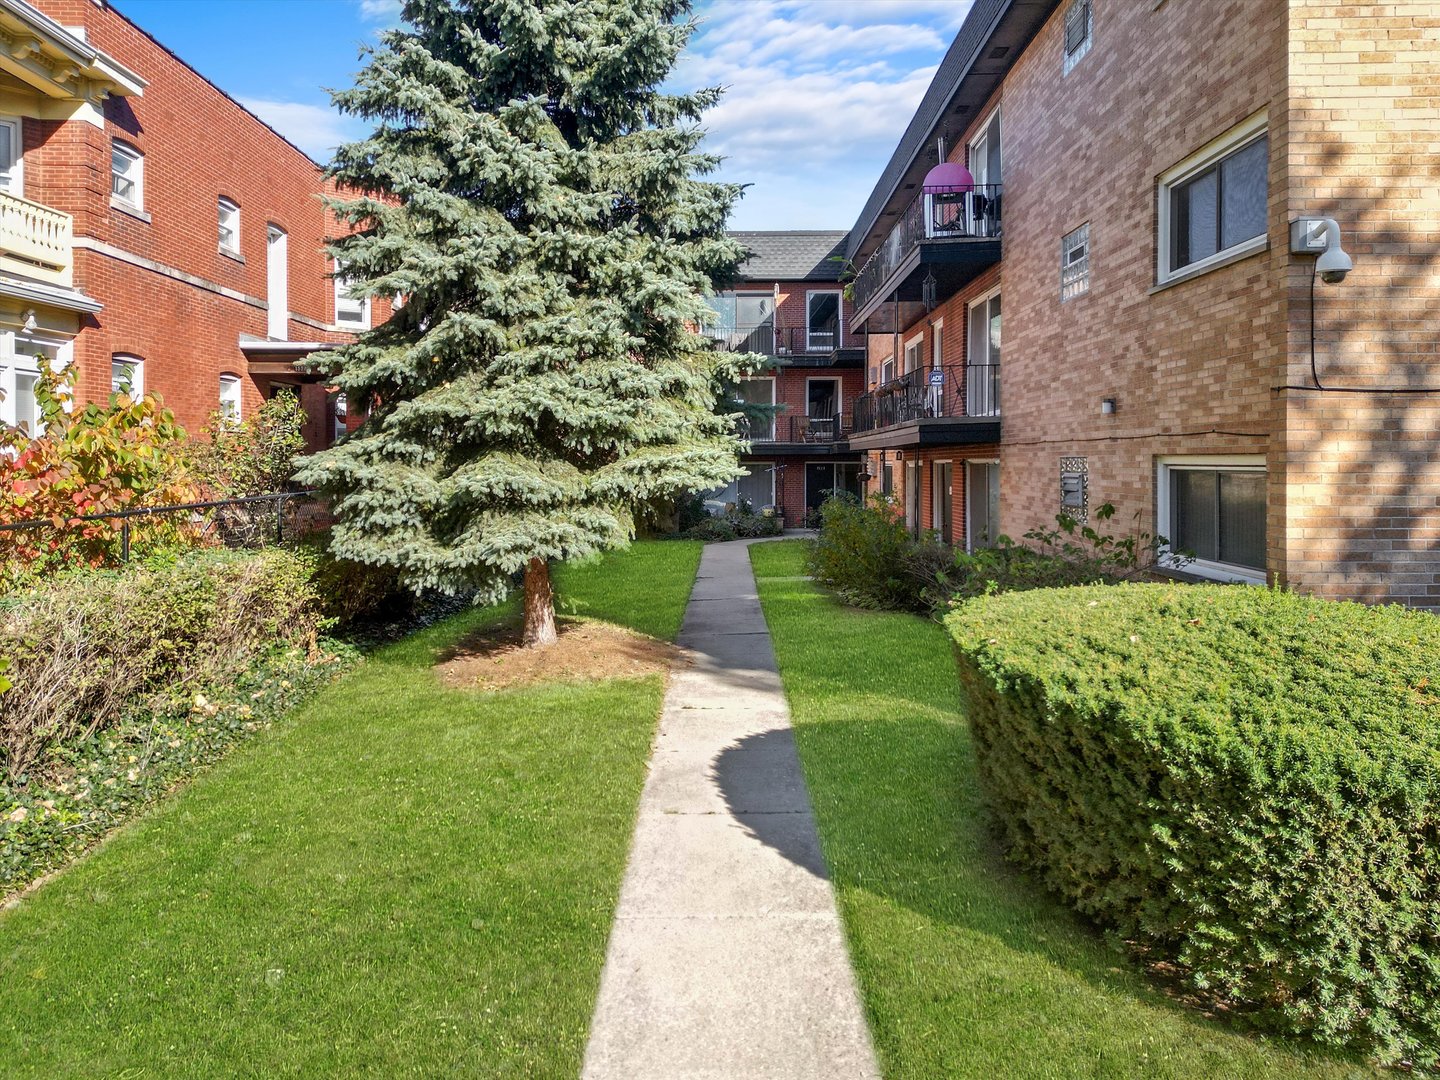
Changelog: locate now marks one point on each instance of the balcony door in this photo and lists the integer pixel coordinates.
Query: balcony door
(941, 493)
(982, 361)
(822, 321)
(822, 409)
(913, 474)
(755, 322)
(760, 419)
(984, 208)
(982, 504)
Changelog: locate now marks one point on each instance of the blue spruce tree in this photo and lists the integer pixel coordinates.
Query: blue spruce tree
(536, 202)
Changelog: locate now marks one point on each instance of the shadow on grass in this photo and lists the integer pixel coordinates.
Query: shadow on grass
(968, 966)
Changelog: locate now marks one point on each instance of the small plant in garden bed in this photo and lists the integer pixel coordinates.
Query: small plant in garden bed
(743, 522)
(1245, 782)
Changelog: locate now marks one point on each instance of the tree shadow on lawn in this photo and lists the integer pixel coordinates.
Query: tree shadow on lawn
(892, 778)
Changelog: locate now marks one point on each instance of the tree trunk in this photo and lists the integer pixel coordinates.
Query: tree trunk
(539, 605)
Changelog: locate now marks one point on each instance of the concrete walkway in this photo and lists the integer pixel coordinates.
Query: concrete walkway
(727, 958)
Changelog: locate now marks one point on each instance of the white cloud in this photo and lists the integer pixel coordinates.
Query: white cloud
(818, 93)
(380, 11)
(316, 129)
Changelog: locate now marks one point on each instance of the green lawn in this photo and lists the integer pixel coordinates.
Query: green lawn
(966, 971)
(399, 880)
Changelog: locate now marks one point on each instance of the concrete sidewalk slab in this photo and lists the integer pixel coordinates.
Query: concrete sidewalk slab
(727, 958)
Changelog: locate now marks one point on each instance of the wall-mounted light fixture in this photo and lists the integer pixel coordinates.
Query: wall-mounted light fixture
(1107, 406)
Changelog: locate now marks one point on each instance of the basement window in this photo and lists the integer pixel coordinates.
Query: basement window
(1213, 509)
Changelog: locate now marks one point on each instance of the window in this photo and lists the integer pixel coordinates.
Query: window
(350, 310)
(755, 485)
(127, 174)
(127, 375)
(277, 283)
(341, 413)
(822, 321)
(887, 370)
(914, 353)
(20, 365)
(1213, 206)
(12, 160)
(1075, 263)
(1214, 510)
(229, 399)
(229, 226)
(1078, 18)
(982, 366)
(758, 392)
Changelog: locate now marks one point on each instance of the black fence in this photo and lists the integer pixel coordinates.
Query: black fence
(252, 521)
(953, 390)
(796, 429)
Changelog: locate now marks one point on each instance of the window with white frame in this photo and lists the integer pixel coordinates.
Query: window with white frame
(887, 370)
(350, 310)
(758, 392)
(229, 215)
(341, 412)
(12, 156)
(982, 359)
(914, 353)
(822, 320)
(1079, 17)
(127, 174)
(21, 361)
(1212, 510)
(755, 485)
(1213, 205)
(1075, 263)
(230, 399)
(127, 375)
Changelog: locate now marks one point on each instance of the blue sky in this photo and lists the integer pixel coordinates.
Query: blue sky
(818, 91)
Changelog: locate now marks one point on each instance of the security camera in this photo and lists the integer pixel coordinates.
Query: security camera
(1321, 236)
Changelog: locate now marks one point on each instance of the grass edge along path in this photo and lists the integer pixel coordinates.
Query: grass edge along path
(398, 879)
(966, 969)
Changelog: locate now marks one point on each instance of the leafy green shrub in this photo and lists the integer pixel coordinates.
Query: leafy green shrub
(1241, 781)
(741, 523)
(253, 456)
(861, 553)
(120, 455)
(85, 646)
(354, 594)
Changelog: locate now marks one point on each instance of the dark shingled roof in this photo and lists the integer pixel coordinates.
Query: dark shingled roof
(792, 255)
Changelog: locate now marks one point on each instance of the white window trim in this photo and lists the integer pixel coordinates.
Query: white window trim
(1205, 568)
(364, 323)
(222, 203)
(980, 133)
(226, 379)
(1073, 58)
(839, 315)
(17, 357)
(774, 418)
(965, 494)
(937, 337)
(136, 175)
(1247, 131)
(18, 172)
(918, 343)
(984, 298)
(880, 371)
(137, 367)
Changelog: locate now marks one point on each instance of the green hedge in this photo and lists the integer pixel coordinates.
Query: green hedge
(1242, 781)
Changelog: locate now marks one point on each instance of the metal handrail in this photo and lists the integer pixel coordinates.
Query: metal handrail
(968, 215)
(953, 390)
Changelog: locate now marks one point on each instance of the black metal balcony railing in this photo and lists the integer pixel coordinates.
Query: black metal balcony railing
(795, 429)
(955, 390)
(770, 340)
(970, 215)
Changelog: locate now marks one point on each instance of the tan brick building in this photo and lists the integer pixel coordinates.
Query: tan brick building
(1132, 172)
(152, 231)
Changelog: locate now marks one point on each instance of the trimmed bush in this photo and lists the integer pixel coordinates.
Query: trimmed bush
(1244, 782)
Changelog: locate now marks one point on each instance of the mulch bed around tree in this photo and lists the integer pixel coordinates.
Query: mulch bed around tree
(493, 659)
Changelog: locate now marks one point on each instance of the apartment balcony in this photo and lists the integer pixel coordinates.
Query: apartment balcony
(809, 435)
(35, 241)
(794, 346)
(951, 238)
(946, 406)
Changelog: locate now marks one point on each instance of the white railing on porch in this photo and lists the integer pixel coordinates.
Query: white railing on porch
(35, 240)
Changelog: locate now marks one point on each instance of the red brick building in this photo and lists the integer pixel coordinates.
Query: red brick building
(789, 306)
(1140, 182)
(152, 231)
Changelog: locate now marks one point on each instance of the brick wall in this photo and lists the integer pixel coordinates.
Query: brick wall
(198, 145)
(1361, 512)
